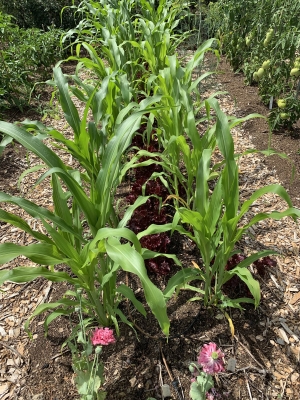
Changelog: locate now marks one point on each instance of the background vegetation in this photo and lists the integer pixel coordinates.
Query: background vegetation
(27, 57)
(30, 34)
(41, 14)
(262, 38)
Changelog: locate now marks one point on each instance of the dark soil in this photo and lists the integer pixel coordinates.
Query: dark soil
(133, 364)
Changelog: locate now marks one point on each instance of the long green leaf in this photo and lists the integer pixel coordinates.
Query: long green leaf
(78, 193)
(55, 314)
(237, 121)
(33, 144)
(245, 275)
(290, 212)
(275, 188)
(28, 274)
(20, 223)
(131, 261)
(44, 254)
(70, 111)
(201, 200)
(130, 210)
(180, 279)
(128, 294)
(60, 201)
(62, 244)
(50, 306)
(39, 212)
(213, 213)
(125, 233)
(153, 228)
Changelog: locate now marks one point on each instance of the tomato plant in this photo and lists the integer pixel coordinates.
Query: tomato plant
(262, 38)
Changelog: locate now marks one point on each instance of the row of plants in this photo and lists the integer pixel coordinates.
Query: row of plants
(139, 111)
(27, 57)
(40, 14)
(262, 38)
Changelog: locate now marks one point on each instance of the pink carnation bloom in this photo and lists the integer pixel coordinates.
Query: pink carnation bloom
(211, 359)
(103, 336)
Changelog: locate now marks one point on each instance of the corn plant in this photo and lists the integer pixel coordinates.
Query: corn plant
(97, 19)
(92, 256)
(164, 12)
(131, 43)
(105, 99)
(111, 26)
(177, 132)
(156, 38)
(216, 222)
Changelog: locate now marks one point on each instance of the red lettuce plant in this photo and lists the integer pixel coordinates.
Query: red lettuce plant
(151, 212)
(262, 263)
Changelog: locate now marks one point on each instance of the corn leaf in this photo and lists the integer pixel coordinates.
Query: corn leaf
(40, 213)
(44, 254)
(128, 294)
(28, 274)
(131, 261)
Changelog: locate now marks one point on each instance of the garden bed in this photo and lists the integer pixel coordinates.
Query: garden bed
(266, 353)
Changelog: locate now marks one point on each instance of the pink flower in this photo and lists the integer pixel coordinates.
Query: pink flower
(210, 358)
(103, 336)
(209, 396)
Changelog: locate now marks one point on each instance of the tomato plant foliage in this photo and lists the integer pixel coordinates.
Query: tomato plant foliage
(262, 38)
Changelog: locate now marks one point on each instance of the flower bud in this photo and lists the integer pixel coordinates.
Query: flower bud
(192, 368)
